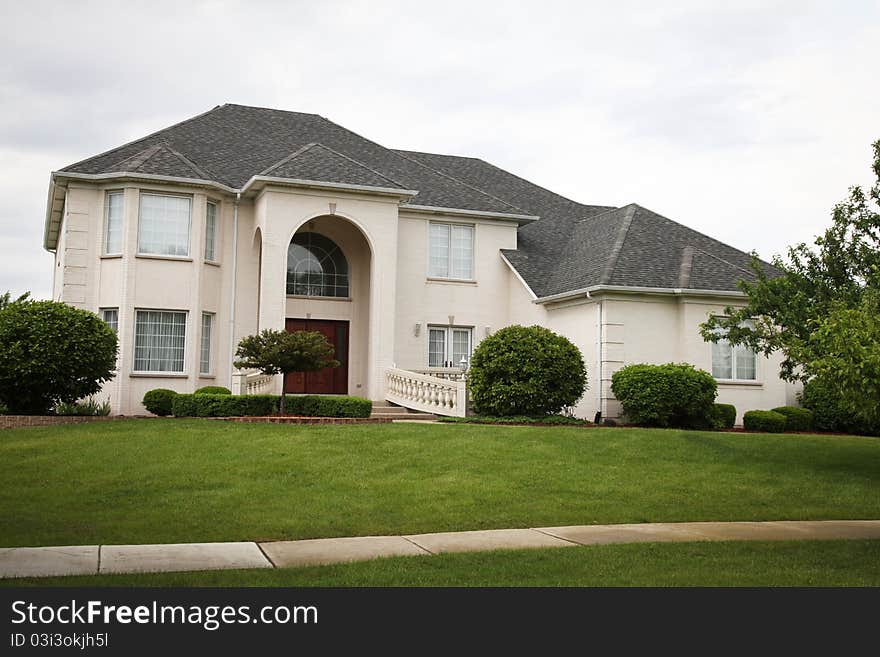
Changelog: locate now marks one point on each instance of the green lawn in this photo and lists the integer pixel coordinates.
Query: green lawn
(147, 481)
(796, 563)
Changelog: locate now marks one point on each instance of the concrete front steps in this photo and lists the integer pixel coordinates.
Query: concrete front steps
(395, 413)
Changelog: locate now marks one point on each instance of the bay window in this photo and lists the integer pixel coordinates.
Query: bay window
(164, 225)
(159, 341)
(205, 347)
(211, 232)
(113, 204)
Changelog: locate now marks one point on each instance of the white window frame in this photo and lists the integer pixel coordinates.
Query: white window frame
(450, 229)
(140, 250)
(448, 339)
(209, 370)
(120, 228)
(180, 372)
(113, 325)
(737, 352)
(215, 232)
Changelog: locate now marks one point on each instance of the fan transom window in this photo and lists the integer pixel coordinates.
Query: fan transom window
(316, 267)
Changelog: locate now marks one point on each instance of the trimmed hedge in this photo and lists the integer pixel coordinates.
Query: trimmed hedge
(723, 416)
(205, 405)
(769, 421)
(796, 419)
(328, 406)
(213, 390)
(159, 401)
(672, 395)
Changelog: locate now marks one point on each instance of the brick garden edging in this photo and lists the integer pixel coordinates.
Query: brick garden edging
(19, 421)
(297, 419)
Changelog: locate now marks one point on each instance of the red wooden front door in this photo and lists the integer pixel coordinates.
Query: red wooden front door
(330, 380)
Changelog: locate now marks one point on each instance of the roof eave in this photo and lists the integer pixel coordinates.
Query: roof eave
(632, 289)
(520, 219)
(258, 182)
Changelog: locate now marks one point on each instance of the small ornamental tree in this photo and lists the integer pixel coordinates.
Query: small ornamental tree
(51, 353)
(525, 371)
(279, 352)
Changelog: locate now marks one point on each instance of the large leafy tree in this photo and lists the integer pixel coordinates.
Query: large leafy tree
(51, 353)
(280, 352)
(820, 310)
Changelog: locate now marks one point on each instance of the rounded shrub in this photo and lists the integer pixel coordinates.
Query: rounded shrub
(768, 421)
(671, 395)
(52, 353)
(723, 416)
(525, 371)
(159, 401)
(213, 390)
(796, 419)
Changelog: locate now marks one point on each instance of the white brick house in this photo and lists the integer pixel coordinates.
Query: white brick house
(247, 218)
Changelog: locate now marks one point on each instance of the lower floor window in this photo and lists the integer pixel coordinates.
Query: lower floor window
(449, 346)
(205, 351)
(111, 318)
(734, 362)
(159, 340)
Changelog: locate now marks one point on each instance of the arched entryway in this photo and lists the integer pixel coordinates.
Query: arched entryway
(328, 291)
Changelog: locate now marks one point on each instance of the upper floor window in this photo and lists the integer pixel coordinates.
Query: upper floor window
(316, 267)
(733, 362)
(451, 251)
(211, 231)
(164, 225)
(113, 223)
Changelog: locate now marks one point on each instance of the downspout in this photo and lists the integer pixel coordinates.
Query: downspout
(599, 355)
(234, 284)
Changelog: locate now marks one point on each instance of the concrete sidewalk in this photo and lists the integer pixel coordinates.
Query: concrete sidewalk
(115, 559)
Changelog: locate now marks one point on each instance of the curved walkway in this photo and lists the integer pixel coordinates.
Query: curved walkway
(115, 559)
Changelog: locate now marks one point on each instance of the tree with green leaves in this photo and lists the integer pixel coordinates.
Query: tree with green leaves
(51, 353)
(279, 352)
(821, 310)
(6, 298)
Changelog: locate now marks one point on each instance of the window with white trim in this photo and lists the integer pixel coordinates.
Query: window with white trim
(449, 345)
(734, 362)
(159, 340)
(113, 205)
(164, 225)
(451, 251)
(205, 347)
(211, 231)
(111, 318)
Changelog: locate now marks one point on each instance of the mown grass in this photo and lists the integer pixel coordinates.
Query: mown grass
(163, 480)
(796, 563)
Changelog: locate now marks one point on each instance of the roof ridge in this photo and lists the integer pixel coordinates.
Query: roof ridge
(361, 164)
(725, 261)
(618, 243)
(141, 157)
(288, 158)
(140, 139)
(195, 167)
(509, 173)
(686, 266)
(461, 182)
(599, 214)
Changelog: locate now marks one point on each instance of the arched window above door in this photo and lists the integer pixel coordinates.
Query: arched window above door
(316, 267)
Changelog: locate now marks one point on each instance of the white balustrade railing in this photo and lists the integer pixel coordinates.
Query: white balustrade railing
(423, 392)
(252, 383)
(451, 373)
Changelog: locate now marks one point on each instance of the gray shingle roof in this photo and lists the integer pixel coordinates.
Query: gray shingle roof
(573, 246)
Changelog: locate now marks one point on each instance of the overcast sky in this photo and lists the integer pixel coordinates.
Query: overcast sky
(744, 120)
